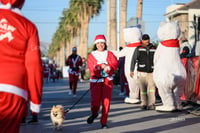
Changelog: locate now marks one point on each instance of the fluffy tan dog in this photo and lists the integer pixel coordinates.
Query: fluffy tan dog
(57, 116)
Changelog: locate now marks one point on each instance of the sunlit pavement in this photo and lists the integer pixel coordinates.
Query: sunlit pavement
(123, 118)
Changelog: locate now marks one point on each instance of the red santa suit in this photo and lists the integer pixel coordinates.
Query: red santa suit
(20, 66)
(101, 88)
(53, 71)
(46, 70)
(74, 61)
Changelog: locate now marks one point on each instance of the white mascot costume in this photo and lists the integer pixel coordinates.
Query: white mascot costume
(133, 37)
(169, 73)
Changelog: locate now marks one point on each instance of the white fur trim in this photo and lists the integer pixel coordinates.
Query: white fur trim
(95, 80)
(99, 40)
(9, 7)
(35, 107)
(14, 90)
(100, 56)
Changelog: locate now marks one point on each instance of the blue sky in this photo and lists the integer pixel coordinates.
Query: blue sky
(46, 15)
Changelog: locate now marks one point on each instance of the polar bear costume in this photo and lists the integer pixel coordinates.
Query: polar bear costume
(169, 73)
(133, 37)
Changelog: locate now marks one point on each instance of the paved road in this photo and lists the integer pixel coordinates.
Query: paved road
(123, 118)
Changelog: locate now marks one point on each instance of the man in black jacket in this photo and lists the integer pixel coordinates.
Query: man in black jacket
(143, 56)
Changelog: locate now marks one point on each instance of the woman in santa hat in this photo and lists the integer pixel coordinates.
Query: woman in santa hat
(20, 66)
(102, 64)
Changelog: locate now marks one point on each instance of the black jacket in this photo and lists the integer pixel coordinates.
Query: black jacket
(143, 56)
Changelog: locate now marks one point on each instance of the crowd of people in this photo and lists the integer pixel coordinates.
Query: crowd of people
(143, 69)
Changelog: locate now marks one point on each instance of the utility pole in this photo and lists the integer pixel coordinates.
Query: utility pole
(195, 28)
(139, 8)
(198, 28)
(118, 26)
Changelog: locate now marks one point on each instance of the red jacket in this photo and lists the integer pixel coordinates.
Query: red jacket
(74, 62)
(95, 60)
(20, 64)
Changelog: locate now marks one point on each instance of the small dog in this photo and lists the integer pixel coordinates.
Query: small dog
(57, 116)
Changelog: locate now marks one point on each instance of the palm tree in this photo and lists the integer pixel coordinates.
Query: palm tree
(87, 9)
(74, 23)
(123, 21)
(108, 23)
(113, 25)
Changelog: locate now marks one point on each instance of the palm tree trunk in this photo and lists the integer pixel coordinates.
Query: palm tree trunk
(84, 35)
(123, 21)
(108, 23)
(79, 42)
(113, 25)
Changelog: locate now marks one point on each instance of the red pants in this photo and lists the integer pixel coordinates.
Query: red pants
(12, 109)
(101, 93)
(73, 80)
(54, 76)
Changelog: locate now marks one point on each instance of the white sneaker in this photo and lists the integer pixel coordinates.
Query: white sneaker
(179, 107)
(74, 95)
(70, 92)
(165, 108)
(131, 100)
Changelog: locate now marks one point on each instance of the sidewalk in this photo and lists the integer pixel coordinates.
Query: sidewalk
(123, 118)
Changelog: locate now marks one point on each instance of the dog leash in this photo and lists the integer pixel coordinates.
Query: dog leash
(66, 111)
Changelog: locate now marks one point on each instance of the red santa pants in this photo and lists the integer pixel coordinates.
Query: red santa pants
(73, 80)
(12, 109)
(101, 93)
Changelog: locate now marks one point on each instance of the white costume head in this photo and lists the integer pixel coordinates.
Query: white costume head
(132, 34)
(168, 30)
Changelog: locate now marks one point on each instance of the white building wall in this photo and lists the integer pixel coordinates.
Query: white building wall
(191, 31)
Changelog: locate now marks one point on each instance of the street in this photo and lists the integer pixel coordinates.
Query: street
(123, 118)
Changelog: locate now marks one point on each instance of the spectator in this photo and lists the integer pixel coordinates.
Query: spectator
(123, 80)
(82, 69)
(144, 55)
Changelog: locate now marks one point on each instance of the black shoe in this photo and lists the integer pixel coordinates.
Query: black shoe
(91, 119)
(143, 107)
(151, 107)
(34, 120)
(105, 126)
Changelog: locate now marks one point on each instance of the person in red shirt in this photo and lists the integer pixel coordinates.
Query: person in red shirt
(102, 64)
(46, 70)
(20, 65)
(74, 61)
(53, 67)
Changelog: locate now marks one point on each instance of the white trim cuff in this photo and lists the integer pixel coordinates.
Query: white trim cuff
(35, 107)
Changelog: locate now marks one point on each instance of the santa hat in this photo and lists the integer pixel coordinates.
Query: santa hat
(13, 3)
(99, 38)
(74, 49)
(132, 34)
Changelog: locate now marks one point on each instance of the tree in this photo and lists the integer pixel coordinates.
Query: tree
(123, 21)
(108, 23)
(113, 25)
(87, 9)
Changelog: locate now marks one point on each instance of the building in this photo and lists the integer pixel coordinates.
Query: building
(184, 13)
